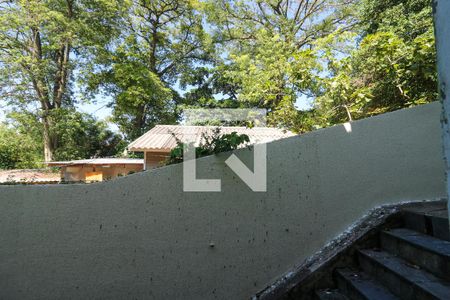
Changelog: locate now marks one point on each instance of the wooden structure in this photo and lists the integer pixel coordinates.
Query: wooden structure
(97, 169)
(160, 140)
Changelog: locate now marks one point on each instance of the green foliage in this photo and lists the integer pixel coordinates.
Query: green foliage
(142, 100)
(355, 58)
(160, 41)
(407, 19)
(211, 88)
(272, 76)
(268, 50)
(392, 67)
(213, 144)
(81, 136)
(42, 43)
(17, 150)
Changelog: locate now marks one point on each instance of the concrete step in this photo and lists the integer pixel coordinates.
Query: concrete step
(360, 286)
(434, 223)
(403, 279)
(330, 295)
(423, 250)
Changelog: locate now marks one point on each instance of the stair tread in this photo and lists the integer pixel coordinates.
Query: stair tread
(330, 295)
(366, 285)
(426, 281)
(426, 242)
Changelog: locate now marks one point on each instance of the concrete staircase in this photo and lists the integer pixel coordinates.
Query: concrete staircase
(410, 262)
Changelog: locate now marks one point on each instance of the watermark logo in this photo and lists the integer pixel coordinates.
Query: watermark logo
(256, 180)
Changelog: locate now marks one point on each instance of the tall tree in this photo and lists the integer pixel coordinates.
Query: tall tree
(160, 41)
(42, 42)
(269, 49)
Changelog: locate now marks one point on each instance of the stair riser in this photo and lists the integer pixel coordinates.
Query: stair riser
(431, 225)
(359, 286)
(396, 284)
(441, 228)
(437, 264)
(349, 290)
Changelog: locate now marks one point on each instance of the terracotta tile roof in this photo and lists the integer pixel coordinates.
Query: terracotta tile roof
(29, 176)
(160, 137)
(97, 161)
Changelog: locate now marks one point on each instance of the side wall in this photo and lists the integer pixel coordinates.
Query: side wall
(78, 173)
(142, 237)
(154, 159)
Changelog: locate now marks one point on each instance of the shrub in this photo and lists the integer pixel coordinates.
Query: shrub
(213, 144)
(17, 150)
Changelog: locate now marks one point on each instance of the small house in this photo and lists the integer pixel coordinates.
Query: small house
(160, 140)
(97, 169)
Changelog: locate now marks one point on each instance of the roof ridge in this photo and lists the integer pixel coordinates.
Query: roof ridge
(206, 126)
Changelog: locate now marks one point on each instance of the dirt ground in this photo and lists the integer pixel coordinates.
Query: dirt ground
(29, 176)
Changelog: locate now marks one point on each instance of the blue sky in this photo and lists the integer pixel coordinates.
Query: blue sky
(99, 108)
(303, 103)
(102, 112)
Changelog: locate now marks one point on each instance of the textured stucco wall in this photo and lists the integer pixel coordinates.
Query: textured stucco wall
(142, 237)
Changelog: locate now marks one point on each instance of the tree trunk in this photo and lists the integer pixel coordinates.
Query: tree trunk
(139, 122)
(48, 144)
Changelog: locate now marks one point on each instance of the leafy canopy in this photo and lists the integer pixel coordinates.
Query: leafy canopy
(159, 43)
(393, 66)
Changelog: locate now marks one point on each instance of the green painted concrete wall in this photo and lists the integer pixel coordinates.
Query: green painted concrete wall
(142, 237)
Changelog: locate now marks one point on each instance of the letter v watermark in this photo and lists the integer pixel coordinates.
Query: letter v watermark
(256, 180)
